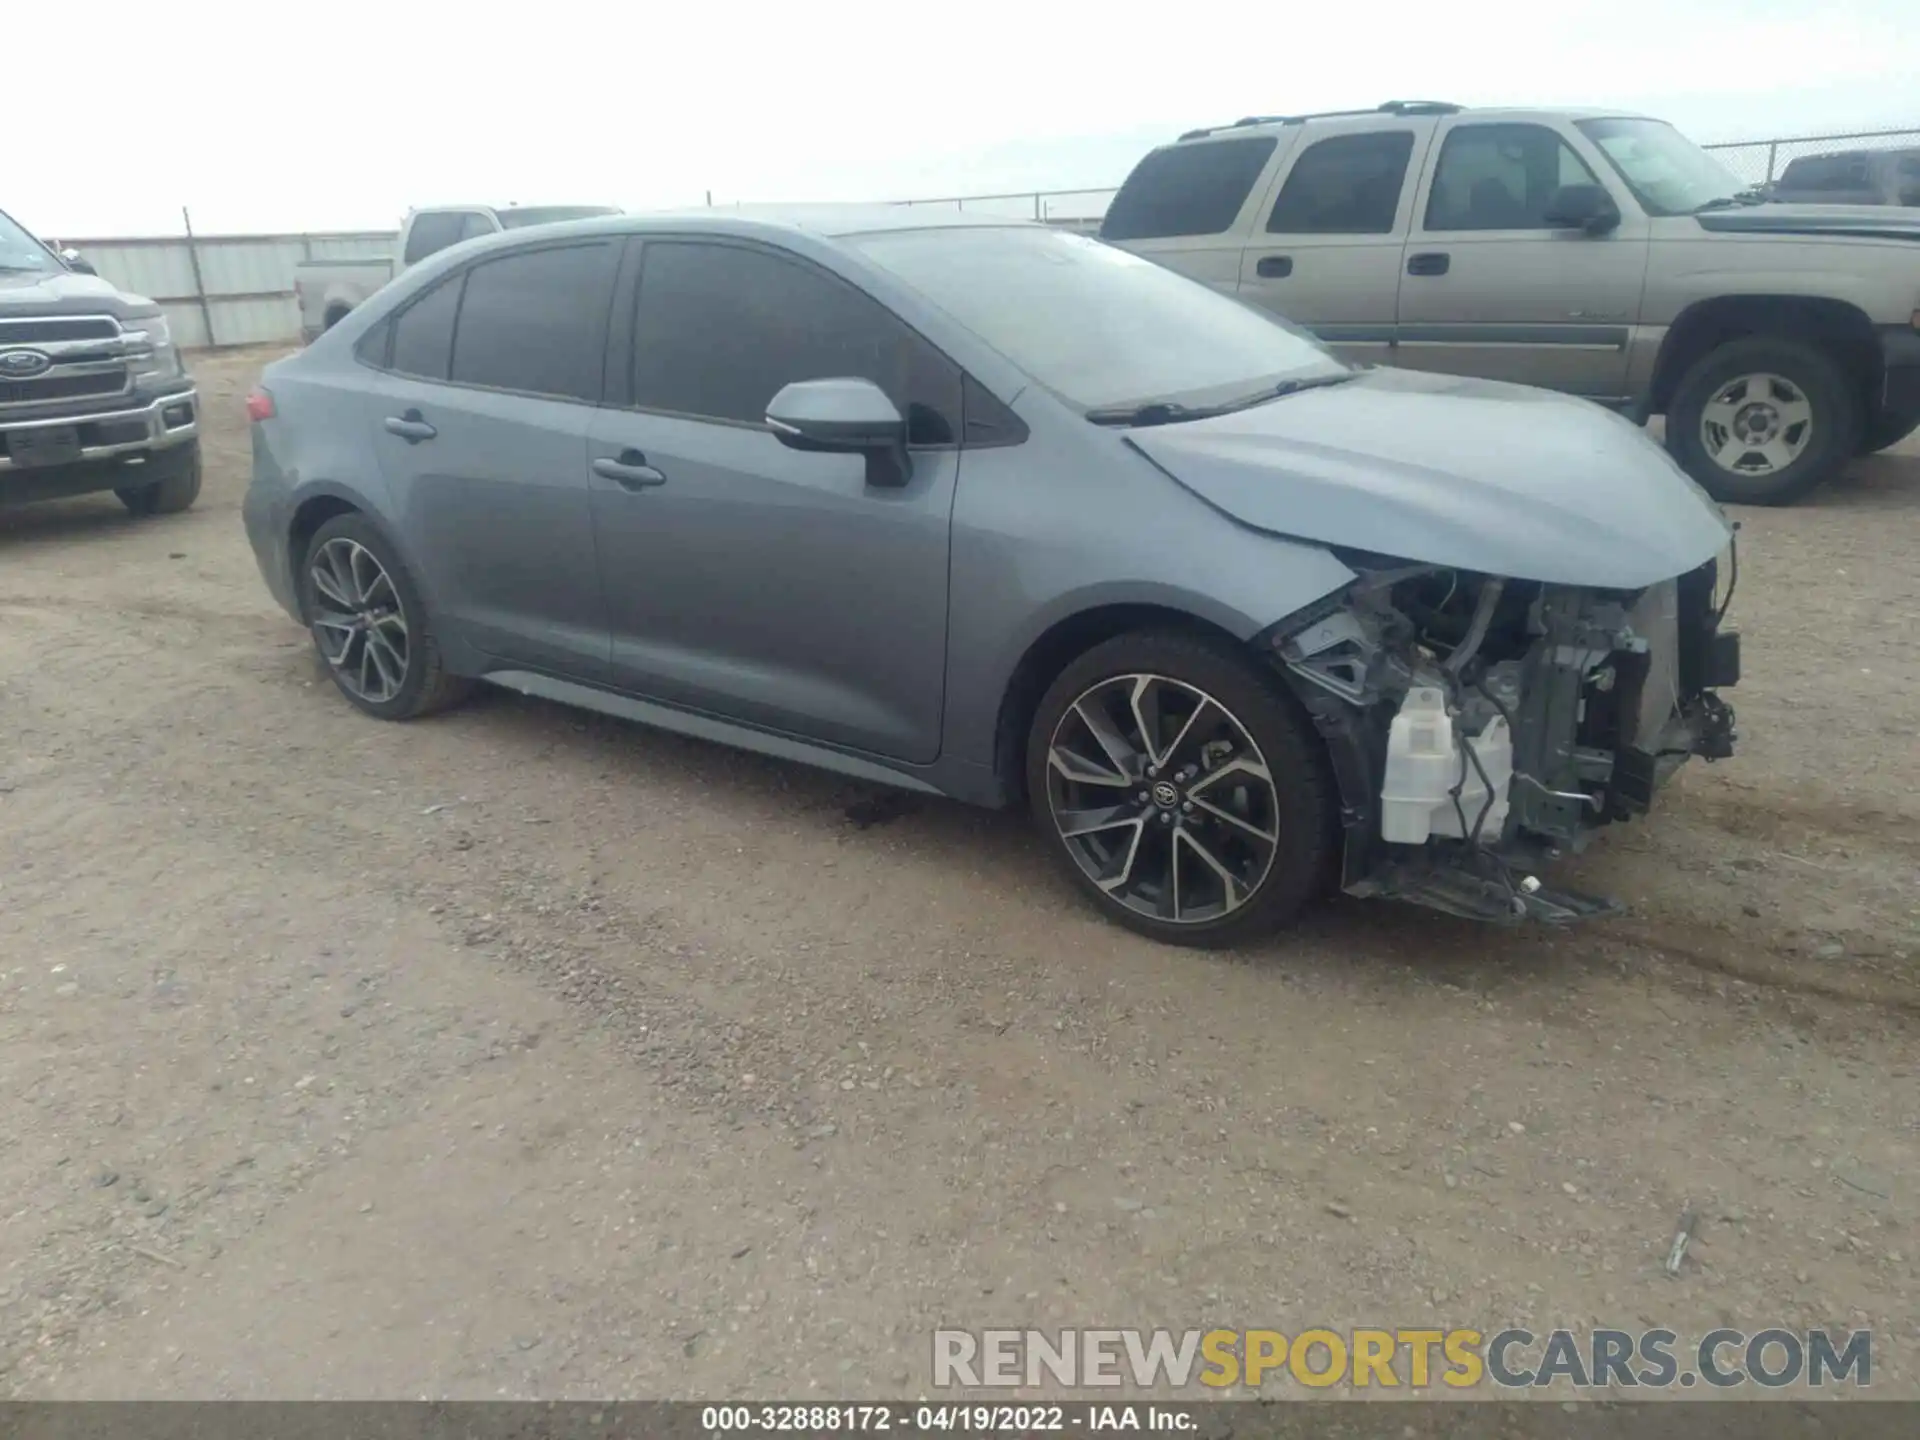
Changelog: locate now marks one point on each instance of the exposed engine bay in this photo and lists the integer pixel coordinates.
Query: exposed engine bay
(1481, 727)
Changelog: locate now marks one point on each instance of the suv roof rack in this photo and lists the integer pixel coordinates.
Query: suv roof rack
(1391, 107)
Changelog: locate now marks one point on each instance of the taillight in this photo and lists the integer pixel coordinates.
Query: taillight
(259, 404)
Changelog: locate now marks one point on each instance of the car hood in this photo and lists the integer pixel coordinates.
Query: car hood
(1878, 222)
(65, 292)
(1501, 479)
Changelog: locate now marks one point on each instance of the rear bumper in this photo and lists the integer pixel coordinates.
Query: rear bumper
(112, 434)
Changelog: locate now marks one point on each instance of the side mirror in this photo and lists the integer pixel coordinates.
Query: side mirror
(848, 417)
(76, 262)
(1583, 207)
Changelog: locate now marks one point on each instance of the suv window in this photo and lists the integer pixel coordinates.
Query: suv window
(1194, 189)
(1500, 177)
(1347, 185)
(423, 332)
(536, 321)
(430, 233)
(1825, 173)
(720, 329)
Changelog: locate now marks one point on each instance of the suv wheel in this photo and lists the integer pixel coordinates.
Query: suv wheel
(1888, 428)
(176, 489)
(1761, 422)
(1183, 789)
(369, 624)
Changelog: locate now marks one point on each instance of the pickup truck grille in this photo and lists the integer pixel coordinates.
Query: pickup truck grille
(77, 356)
(59, 327)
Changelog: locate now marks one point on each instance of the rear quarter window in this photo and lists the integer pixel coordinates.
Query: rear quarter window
(1193, 189)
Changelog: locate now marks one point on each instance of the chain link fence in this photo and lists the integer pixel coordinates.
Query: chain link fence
(1759, 162)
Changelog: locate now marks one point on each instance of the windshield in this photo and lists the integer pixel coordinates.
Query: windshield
(513, 219)
(20, 251)
(1095, 325)
(1668, 173)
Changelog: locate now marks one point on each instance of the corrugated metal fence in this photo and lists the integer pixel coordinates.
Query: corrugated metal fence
(238, 289)
(226, 289)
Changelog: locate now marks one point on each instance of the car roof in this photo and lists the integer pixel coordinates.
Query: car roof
(771, 221)
(1406, 110)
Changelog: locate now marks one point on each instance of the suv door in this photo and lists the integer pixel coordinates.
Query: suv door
(745, 579)
(1328, 255)
(1183, 205)
(493, 375)
(1491, 289)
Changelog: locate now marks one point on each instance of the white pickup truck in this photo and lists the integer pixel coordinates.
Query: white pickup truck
(328, 289)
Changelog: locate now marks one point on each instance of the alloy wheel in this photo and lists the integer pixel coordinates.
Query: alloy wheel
(1756, 425)
(358, 620)
(1162, 798)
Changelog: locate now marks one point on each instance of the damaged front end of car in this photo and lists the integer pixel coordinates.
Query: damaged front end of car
(1480, 727)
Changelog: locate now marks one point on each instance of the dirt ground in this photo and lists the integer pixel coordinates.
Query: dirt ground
(522, 1052)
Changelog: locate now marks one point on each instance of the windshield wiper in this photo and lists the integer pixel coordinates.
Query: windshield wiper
(1752, 195)
(1153, 412)
(1286, 388)
(1168, 412)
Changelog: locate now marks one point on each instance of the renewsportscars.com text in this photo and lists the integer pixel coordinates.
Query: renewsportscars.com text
(1412, 1358)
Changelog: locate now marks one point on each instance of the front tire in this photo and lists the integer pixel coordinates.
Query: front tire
(174, 492)
(370, 625)
(1182, 788)
(1762, 421)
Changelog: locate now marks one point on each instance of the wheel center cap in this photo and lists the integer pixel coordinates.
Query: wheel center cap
(1756, 422)
(1166, 794)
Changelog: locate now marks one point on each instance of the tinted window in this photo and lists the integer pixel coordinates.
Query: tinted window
(720, 329)
(1349, 185)
(536, 320)
(1826, 173)
(371, 348)
(423, 332)
(1500, 177)
(431, 233)
(1910, 180)
(475, 225)
(1187, 189)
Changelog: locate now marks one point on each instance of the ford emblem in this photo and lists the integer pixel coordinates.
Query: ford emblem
(24, 364)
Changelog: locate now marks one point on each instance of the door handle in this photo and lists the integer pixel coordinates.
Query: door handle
(631, 471)
(411, 427)
(1431, 263)
(1274, 267)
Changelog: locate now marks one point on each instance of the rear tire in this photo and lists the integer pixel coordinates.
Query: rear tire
(1204, 817)
(173, 492)
(1888, 429)
(370, 626)
(1761, 421)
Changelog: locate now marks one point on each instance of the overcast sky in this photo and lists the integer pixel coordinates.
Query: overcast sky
(338, 114)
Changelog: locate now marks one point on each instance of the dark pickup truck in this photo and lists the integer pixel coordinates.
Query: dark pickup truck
(93, 396)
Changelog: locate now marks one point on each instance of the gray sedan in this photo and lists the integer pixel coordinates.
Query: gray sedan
(998, 512)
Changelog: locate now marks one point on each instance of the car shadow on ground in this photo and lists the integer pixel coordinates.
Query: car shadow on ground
(1002, 852)
(49, 521)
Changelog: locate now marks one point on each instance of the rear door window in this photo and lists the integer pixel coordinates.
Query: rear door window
(535, 321)
(719, 330)
(1193, 189)
(1346, 185)
(431, 233)
(423, 332)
